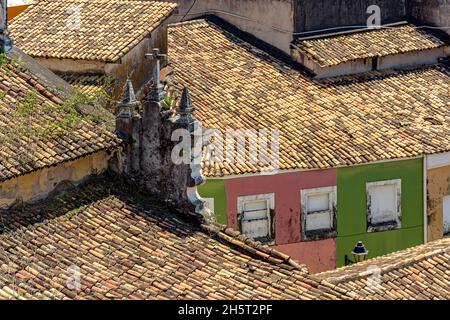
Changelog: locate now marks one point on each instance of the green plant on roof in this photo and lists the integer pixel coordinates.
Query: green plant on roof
(167, 103)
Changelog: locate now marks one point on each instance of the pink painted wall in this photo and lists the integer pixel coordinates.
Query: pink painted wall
(318, 255)
(286, 187)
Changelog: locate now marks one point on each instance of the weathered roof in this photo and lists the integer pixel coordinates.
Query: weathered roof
(338, 122)
(333, 50)
(39, 129)
(421, 272)
(89, 83)
(123, 244)
(86, 29)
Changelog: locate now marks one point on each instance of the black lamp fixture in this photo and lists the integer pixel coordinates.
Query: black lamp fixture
(359, 254)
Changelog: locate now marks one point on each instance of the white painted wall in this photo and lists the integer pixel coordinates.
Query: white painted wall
(410, 59)
(438, 160)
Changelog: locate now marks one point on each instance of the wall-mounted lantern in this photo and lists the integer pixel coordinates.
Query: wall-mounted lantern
(359, 254)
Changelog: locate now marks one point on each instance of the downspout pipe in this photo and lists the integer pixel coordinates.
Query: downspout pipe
(425, 200)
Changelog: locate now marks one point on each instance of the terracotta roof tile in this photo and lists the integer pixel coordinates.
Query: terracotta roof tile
(88, 83)
(128, 245)
(322, 124)
(37, 127)
(107, 30)
(333, 50)
(421, 272)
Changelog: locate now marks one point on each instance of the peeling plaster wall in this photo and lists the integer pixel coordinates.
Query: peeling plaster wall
(438, 185)
(39, 184)
(70, 65)
(318, 255)
(286, 187)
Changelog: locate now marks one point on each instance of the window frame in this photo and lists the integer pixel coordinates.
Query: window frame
(388, 225)
(270, 198)
(319, 233)
(211, 203)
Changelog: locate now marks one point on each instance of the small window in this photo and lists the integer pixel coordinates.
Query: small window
(255, 214)
(318, 215)
(383, 205)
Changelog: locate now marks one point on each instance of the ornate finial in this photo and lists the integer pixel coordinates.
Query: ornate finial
(128, 104)
(185, 106)
(156, 93)
(129, 96)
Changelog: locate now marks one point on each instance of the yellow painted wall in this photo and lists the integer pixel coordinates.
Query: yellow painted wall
(438, 186)
(14, 11)
(39, 184)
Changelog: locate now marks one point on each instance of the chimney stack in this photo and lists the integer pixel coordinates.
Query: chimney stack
(5, 40)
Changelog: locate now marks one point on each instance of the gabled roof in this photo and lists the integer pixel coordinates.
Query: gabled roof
(339, 122)
(421, 272)
(86, 29)
(40, 127)
(124, 244)
(368, 43)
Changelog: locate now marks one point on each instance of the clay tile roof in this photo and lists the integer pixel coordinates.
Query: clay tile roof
(420, 272)
(103, 30)
(339, 122)
(333, 50)
(124, 244)
(89, 83)
(39, 128)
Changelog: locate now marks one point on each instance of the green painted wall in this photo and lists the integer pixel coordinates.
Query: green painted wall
(352, 214)
(215, 188)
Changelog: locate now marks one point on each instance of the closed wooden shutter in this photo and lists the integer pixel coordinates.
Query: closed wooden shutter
(319, 212)
(255, 219)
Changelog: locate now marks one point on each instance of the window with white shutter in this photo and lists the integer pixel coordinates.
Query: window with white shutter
(255, 215)
(318, 206)
(383, 205)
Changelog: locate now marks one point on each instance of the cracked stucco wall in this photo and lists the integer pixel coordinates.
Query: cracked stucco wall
(41, 183)
(438, 182)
